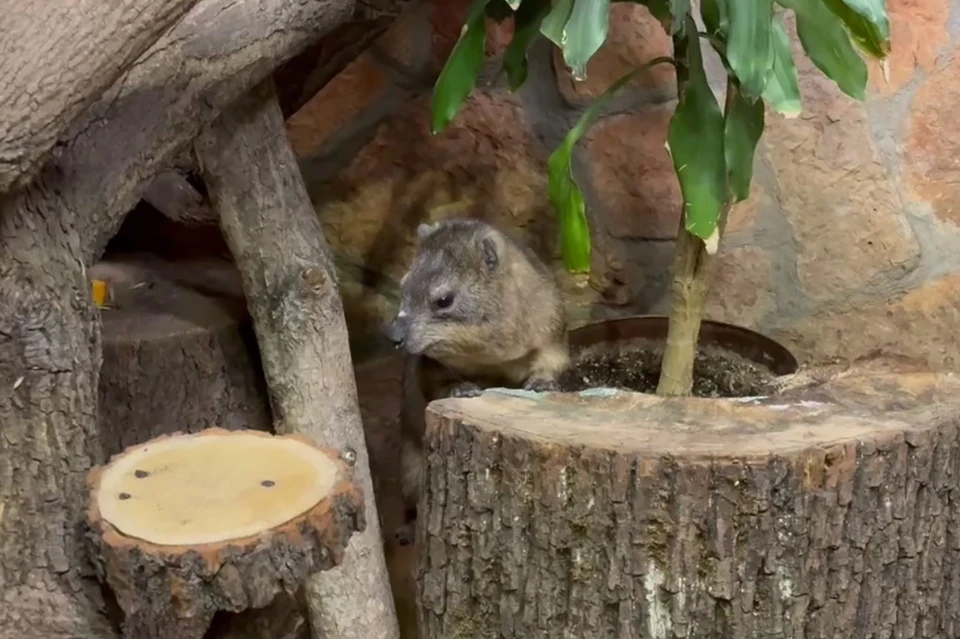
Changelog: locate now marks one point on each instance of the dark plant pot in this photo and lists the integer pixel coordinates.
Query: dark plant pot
(741, 341)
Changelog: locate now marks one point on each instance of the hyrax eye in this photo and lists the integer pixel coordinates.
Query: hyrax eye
(444, 301)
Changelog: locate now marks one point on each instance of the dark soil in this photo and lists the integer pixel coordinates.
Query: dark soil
(716, 372)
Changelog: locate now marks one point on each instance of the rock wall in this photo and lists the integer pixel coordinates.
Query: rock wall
(849, 243)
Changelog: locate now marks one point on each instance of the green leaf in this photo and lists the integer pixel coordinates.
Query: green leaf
(744, 126)
(748, 44)
(695, 140)
(553, 24)
(826, 41)
(565, 194)
(459, 74)
(867, 22)
(783, 90)
(714, 14)
(585, 32)
(568, 201)
(526, 28)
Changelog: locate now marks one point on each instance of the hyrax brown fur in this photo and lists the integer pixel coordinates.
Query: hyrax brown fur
(477, 309)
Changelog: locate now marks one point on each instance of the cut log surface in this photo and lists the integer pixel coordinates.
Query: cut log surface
(187, 525)
(179, 353)
(829, 511)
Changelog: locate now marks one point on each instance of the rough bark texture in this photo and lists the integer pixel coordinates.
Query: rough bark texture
(49, 360)
(290, 284)
(49, 339)
(829, 512)
(174, 591)
(56, 59)
(178, 352)
(142, 123)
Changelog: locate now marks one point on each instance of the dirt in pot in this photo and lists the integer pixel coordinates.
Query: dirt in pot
(717, 372)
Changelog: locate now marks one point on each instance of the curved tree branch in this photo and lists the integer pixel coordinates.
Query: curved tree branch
(56, 59)
(217, 52)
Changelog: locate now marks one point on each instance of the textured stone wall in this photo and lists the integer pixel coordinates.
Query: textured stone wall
(849, 243)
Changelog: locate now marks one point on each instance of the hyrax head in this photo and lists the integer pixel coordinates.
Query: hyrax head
(452, 292)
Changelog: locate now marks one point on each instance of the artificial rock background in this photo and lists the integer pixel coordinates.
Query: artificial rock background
(850, 242)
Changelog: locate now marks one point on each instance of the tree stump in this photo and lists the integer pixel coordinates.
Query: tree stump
(187, 525)
(829, 511)
(178, 351)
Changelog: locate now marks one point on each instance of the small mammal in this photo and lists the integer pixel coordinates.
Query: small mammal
(477, 309)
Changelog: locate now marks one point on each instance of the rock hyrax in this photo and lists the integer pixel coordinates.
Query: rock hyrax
(477, 309)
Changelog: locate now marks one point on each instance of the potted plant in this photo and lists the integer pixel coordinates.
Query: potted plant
(712, 148)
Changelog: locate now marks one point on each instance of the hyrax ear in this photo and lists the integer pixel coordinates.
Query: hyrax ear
(425, 230)
(492, 246)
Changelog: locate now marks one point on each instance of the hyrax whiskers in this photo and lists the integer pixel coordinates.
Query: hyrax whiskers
(477, 309)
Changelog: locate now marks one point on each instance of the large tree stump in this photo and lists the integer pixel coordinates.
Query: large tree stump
(188, 525)
(178, 351)
(827, 512)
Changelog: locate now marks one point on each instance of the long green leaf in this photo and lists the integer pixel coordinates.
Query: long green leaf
(749, 51)
(826, 41)
(565, 194)
(870, 30)
(459, 74)
(696, 144)
(714, 14)
(783, 90)
(554, 23)
(584, 34)
(526, 29)
(744, 126)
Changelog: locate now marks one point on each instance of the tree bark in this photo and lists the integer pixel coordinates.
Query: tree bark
(290, 285)
(49, 361)
(49, 337)
(819, 514)
(211, 57)
(186, 324)
(56, 59)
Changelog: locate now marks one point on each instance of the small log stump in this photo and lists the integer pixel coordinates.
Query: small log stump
(187, 525)
(829, 511)
(179, 353)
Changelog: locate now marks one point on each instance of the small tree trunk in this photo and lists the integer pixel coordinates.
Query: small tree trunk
(692, 272)
(290, 286)
(822, 514)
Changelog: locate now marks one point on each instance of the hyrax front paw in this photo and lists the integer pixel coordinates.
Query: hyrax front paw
(541, 385)
(466, 389)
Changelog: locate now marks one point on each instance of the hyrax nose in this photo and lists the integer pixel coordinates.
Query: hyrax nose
(396, 332)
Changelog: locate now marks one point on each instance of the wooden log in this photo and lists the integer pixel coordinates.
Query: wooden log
(289, 281)
(179, 353)
(826, 512)
(56, 59)
(184, 526)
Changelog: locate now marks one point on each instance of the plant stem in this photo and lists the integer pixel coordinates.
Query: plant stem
(692, 271)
